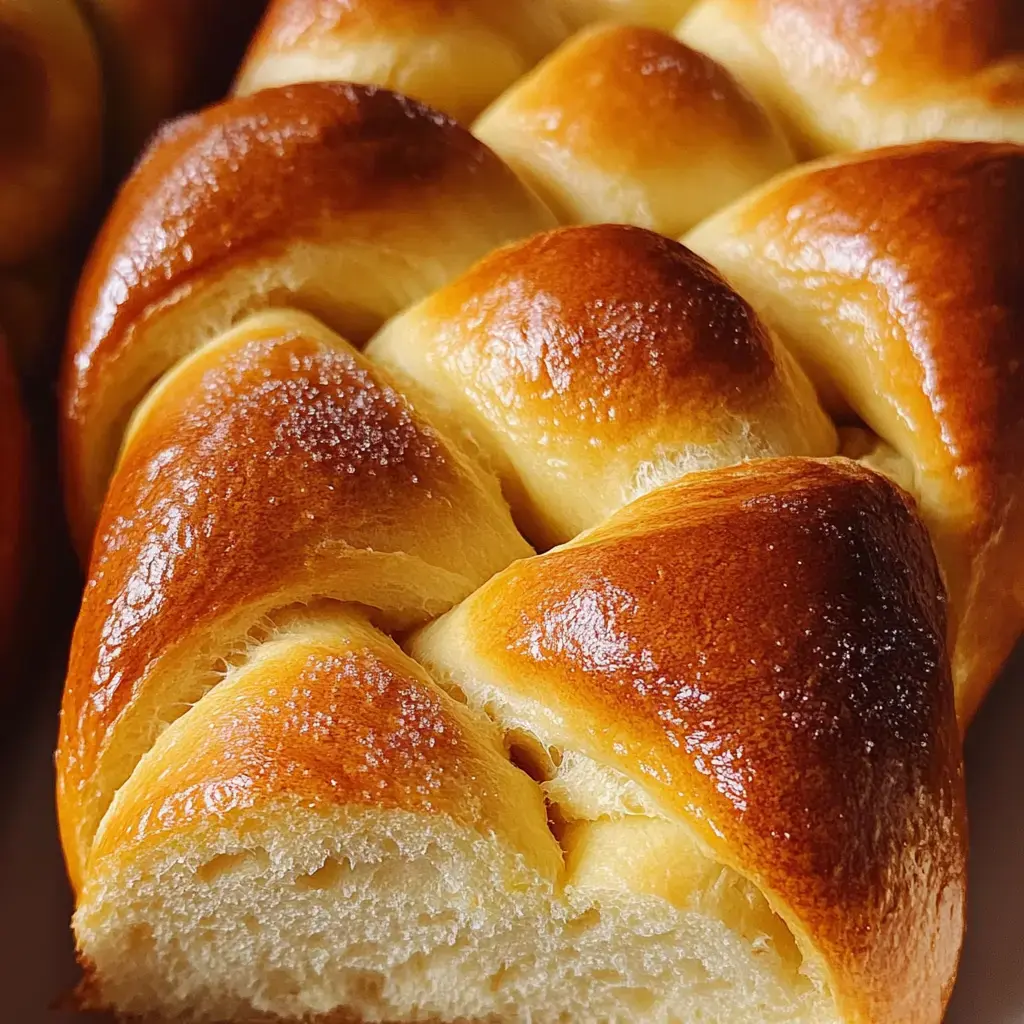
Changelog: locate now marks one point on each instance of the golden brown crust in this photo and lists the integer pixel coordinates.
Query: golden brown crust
(582, 355)
(626, 110)
(898, 279)
(357, 171)
(332, 716)
(274, 468)
(456, 56)
(898, 48)
(221, 184)
(590, 309)
(804, 725)
(908, 212)
(225, 179)
(851, 74)
(621, 91)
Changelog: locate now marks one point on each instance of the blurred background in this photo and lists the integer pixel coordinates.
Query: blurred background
(82, 87)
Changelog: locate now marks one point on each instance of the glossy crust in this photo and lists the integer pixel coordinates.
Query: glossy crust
(949, 41)
(13, 497)
(49, 123)
(851, 74)
(624, 123)
(804, 727)
(357, 725)
(663, 14)
(164, 56)
(456, 56)
(898, 279)
(333, 197)
(592, 363)
(271, 469)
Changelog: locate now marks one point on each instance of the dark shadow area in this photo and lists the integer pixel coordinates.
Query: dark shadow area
(990, 989)
(36, 954)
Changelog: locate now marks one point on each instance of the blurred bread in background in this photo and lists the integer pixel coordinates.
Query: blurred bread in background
(161, 57)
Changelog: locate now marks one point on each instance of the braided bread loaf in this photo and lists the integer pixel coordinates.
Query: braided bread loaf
(337, 744)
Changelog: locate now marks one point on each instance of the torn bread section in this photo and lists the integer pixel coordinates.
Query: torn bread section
(327, 831)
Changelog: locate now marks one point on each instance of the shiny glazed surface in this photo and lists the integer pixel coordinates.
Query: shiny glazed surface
(590, 364)
(628, 124)
(233, 200)
(896, 279)
(803, 725)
